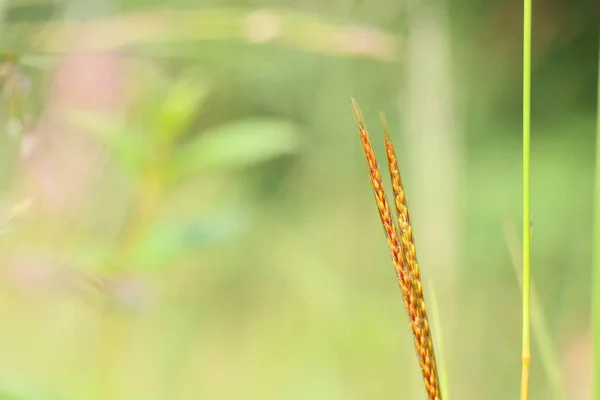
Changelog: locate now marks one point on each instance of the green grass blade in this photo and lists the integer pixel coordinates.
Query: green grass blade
(526, 351)
(596, 256)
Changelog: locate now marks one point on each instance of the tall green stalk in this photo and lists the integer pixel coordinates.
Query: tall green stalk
(526, 350)
(541, 333)
(596, 255)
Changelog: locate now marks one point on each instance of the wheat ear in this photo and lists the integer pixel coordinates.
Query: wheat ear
(403, 251)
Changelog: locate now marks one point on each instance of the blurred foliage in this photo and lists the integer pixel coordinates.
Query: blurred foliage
(188, 215)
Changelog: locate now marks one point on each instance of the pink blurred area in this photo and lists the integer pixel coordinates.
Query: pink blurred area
(63, 158)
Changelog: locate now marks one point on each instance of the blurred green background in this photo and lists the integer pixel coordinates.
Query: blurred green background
(185, 211)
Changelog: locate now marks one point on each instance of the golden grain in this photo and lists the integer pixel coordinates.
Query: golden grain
(403, 251)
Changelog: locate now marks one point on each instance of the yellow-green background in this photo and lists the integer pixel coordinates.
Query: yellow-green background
(224, 206)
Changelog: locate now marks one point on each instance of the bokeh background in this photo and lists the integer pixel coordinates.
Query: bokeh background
(185, 211)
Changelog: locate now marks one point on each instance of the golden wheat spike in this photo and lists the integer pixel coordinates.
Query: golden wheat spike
(407, 240)
(403, 252)
(389, 226)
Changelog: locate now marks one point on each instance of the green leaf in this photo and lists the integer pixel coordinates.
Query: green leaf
(182, 101)
(171, 239)
(125, 143)
(235, 145)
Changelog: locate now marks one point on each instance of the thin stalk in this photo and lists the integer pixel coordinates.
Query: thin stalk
(596, 255)
(541, 332)
(526, 350)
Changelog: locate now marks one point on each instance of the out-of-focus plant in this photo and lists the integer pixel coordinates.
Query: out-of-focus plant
(159, 152)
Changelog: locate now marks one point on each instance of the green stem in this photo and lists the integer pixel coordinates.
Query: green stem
(541, 332)
(526, 350)
(596, 255)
